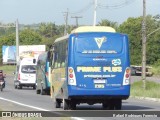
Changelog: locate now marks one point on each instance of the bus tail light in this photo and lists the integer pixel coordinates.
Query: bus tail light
(126, 78)
(47, 74)
(71, 76)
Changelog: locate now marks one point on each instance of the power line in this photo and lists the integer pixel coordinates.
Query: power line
(116, 6)
(84, 9)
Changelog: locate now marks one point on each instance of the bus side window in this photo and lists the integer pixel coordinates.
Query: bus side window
(59, 58)
(54, 57)
(63, 64)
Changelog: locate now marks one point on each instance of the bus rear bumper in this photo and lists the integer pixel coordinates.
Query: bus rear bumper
(119, 92)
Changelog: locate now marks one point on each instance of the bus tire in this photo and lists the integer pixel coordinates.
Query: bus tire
(111, 106)
(57, 103)
(105, 106)
(118, 104)
(65, 104)
(38, 91)
(72, 105)
(48, 92)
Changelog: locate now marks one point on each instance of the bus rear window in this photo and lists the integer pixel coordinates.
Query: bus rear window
(28, 69)
(107, 45)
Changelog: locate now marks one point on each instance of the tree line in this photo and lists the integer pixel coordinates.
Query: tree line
(46, 33)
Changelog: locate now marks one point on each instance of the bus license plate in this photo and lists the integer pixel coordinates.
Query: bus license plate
(99, 81)
(99, 85)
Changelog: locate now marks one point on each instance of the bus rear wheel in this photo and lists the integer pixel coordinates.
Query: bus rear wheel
(113, 104)
(38, 91)
(72, 105)
(105, 106)
(118, 104)
(57, 103)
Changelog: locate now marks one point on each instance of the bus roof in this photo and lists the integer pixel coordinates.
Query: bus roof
(88, 29)
(93, 29)
(61, 38)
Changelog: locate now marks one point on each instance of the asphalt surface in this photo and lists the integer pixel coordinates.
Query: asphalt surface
(27, 100)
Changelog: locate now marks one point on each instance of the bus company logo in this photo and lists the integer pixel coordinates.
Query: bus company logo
(116, 62)
(99, 41)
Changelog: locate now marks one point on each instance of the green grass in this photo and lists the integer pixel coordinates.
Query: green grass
(8, 69)
(156, 70)
(152, 89)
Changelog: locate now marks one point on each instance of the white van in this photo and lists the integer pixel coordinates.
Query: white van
(25, 73)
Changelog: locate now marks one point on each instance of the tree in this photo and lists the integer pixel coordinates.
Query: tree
(48, 30)
(153, 40)
(106, 22)
(29, 37)
(133, 27)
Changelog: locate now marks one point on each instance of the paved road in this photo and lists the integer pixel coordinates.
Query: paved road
(153, 78)
(28, 100)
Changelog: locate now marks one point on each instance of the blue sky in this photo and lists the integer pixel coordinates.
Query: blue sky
(36, 11)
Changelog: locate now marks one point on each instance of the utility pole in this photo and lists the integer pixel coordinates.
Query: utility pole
(95, 12)
(17, 41)
(66, 21)
(144, 39)
(76, 17)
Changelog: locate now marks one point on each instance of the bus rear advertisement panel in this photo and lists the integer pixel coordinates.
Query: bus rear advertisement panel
(97, 66)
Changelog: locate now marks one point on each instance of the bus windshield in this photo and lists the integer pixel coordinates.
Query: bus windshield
(106, 44)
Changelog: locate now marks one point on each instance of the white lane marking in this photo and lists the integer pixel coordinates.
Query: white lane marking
(77, 118)
(37, 108)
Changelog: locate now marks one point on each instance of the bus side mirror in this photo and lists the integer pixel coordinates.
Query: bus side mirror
(34, 61)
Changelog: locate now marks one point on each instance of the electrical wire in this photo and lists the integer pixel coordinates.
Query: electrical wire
(84, 9)
(114, 6)
(117, 5)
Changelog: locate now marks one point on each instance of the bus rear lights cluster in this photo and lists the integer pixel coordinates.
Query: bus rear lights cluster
(71, 76)
(127, 73)
(126, 78)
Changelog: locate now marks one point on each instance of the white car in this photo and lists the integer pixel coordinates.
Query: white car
(25, 73)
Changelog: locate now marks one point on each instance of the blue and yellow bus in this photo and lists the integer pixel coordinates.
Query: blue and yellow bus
(42, 72)
(91, 65)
